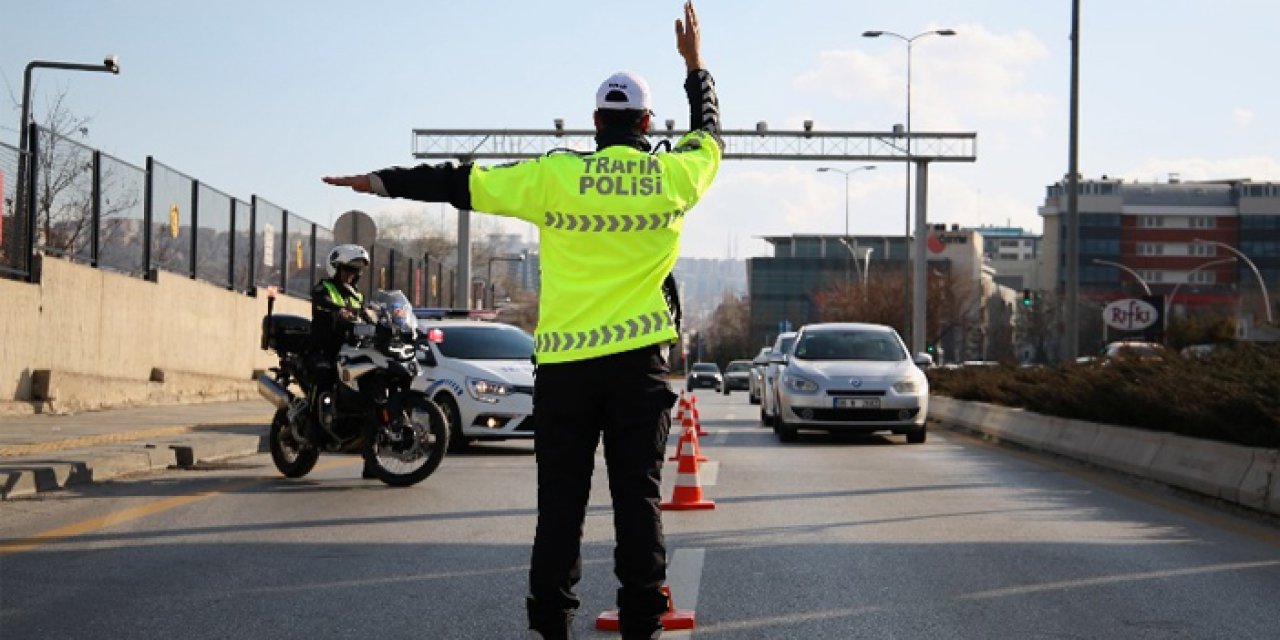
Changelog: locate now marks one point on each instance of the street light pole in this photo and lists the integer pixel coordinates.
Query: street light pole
(1262, 284)
(108, 65)
(1211, 263)
(493, 303)
(1126, 269)
(847, 173)
(845, 239)
(916, 292)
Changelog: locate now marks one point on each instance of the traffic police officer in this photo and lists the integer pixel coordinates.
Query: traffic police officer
(609, 225)
(336, 306)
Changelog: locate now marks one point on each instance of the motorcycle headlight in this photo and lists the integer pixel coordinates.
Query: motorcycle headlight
(487, 390)
(907, 385)
(798, 384)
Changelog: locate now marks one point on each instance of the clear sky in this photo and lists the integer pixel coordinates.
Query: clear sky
(265, 97)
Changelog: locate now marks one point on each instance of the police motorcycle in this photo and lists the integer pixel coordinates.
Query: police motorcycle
(372, 411)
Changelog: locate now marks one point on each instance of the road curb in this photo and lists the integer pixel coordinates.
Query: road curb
(1247, 476)
(37, 473)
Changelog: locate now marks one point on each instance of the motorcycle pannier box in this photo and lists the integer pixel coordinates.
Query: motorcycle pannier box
(286, 333)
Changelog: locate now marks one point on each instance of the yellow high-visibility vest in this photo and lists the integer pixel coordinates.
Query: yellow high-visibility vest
(610, 226)
(336, 296)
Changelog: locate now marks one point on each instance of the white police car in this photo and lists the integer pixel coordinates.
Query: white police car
(479, 372)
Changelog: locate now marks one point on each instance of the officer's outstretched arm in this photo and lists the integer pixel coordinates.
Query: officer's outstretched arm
(445, 182)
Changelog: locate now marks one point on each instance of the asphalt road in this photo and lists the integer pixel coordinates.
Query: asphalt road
(831, 537)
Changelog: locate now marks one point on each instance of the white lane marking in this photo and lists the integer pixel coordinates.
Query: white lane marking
(684, 576)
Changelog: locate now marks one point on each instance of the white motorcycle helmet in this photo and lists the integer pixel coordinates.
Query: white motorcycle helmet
(352, 256)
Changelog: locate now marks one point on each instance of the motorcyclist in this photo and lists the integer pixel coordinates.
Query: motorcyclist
(336, 306)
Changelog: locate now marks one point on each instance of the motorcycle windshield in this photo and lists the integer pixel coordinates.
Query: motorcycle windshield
(395, 311)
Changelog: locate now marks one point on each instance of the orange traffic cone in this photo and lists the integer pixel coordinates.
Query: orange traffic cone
(688, 439)
(697, 419)
(673, 620)
(682, 407)
(688, 490)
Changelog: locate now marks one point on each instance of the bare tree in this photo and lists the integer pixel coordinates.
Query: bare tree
(64, 173)
(880, 302)
(726, 338)
(64, 203)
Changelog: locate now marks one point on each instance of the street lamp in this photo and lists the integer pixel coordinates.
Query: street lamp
(864, 268)
(917, 287)
(1266, 301)
(1211, 263)
(847, 173)
(520, 258)
(1127, 269)
(108, 65)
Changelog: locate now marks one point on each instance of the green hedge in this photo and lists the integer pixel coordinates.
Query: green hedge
(1232, 396)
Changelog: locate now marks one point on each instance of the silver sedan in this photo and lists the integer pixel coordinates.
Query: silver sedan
(851, 377)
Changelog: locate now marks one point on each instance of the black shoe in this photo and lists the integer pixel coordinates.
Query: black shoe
(368, 472)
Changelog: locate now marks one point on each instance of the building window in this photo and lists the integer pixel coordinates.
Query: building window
(1150, 249)
(1257, 191)
(1201, 249)
(1150, 222)
(1152, 276)
(1259, 223)
(1202, 222)
(1201, 277)
(1099, 219)
(1260, 248)
(1100, 247)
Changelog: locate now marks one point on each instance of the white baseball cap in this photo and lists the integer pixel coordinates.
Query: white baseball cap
(624, 90)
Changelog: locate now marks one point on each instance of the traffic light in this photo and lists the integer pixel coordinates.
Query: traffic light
(1027, 299)
(931, 349)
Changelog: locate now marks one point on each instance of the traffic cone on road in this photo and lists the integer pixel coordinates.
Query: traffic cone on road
(697, 419)
(687, 494)
(682, 407)
(689, 439)
(673, 620)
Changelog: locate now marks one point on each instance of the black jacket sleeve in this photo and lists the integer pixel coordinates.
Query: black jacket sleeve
(704, 105)
(445, 182)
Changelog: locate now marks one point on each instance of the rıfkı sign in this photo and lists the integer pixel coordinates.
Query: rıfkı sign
(1130, 314)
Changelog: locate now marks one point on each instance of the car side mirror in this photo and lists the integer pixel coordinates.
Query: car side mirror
(924, 360)
(777, 358)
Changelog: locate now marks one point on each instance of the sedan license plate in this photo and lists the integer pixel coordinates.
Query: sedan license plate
(857, 403)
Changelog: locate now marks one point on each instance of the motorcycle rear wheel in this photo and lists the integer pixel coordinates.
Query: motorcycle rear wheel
(291, 458)
(412, 465)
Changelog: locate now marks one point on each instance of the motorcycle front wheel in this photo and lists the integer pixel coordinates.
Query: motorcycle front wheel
(406, 451)
(291, 458)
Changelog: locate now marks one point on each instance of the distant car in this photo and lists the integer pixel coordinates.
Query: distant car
(851, 377)
(1139, 349)
(758, 365)
(737, 375)
(704, 374)
(769, 397)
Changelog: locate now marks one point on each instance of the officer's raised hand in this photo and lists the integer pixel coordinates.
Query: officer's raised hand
(689, 38)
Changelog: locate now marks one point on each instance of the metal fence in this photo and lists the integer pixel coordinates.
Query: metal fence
(89, 207)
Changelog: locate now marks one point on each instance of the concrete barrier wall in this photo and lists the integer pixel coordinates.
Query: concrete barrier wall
(1243, 475)
(101, 334)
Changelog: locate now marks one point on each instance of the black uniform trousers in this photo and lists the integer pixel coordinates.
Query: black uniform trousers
(626, 398)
